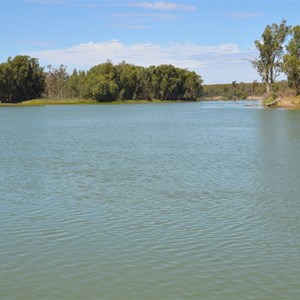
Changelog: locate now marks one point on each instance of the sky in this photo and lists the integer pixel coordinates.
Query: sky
(213, 38)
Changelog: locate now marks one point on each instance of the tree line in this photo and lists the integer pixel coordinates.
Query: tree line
(21, 78)
(234, 91)
(243, 90)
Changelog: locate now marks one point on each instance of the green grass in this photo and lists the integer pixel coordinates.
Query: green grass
(74, 101)
(40, 102)
(57, 102)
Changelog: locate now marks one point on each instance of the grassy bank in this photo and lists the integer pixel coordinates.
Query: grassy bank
(292, 102)
(289, 102)
(40, 102)
(71, 101)
(75, 101)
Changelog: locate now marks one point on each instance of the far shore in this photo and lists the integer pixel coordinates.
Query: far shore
(220, 98)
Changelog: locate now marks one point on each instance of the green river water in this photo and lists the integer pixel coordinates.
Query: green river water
(150, 201)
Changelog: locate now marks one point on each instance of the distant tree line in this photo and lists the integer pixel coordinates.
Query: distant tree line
(234, 91)
(22, 79)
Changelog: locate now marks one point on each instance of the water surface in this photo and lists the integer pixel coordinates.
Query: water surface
(155, 201)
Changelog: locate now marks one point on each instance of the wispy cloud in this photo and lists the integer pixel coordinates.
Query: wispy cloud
(158, 5)
(48, 1)
(138, 20)
(147, 16)
(244, 15)
(35, 43)
(162, 5)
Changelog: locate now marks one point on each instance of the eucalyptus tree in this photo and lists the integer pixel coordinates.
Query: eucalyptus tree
(271, 51)
(291, 65)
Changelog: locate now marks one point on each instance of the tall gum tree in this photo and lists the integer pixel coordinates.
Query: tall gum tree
(271, 50)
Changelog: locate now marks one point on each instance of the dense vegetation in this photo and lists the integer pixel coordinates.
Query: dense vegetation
(108, 82)
(22, 78)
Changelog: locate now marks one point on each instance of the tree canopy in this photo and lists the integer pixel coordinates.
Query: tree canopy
(108, 82)
(291, 65)
(21, 78)
(271, 51)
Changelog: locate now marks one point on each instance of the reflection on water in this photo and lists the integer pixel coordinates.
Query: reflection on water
(158, 201)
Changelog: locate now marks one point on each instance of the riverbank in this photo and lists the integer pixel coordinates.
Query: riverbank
(283, 102)
(72, 101)
(291, 103)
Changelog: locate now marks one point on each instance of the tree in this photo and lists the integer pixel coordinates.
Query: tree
(192, 86)
(75, 84)
(127, 80)
(291, 65)
(56, 82)
(101, 83)
(270, 47)
(21, 78)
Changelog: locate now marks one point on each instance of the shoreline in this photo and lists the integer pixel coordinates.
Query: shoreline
(286, 103)
(74, 101)
(71, 101)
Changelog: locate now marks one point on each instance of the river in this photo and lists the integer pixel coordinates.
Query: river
(150, 201)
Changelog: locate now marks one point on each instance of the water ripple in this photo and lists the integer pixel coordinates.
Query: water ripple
(171, 201)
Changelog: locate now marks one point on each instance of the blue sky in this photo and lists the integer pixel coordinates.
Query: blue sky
(213, 38)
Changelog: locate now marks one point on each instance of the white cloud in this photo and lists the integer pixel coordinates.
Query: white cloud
(162, 5)
(219, 63)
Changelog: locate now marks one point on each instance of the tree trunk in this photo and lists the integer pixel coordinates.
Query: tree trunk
(268, 89)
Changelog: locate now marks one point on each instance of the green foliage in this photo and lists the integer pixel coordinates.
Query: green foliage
(21, 78)
(107, 82)
(271, 50)
(291, 64)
